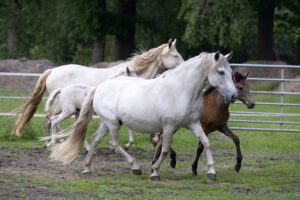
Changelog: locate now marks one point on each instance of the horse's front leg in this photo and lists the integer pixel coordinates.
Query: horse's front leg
(227, 131)
(98, 136)
(200, 149)
(198, 131)
(166, 143)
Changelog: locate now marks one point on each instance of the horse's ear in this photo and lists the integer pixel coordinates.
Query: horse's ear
(170, 43)
(229, 56)
(234, 76)
(246, 75)
(217, 55)
(174, 43)
(128, 72)
(238, 76)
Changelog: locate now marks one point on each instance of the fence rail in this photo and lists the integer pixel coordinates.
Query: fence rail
(293, 118)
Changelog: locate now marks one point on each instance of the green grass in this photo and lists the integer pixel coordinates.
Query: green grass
(264, 85)
(271, 165)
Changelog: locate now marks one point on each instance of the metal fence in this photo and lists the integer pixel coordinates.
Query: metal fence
(262, 119)
(243, 118)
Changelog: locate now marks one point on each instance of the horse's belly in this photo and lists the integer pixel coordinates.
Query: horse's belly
(141, 125)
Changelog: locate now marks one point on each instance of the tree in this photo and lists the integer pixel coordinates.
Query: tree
(125, 35)
(99, 41)
(266, 10)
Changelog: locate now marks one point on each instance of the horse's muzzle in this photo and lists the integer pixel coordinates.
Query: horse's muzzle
(250, 105)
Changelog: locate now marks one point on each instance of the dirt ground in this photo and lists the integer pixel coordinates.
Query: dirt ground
(20, 161)
(37, 161)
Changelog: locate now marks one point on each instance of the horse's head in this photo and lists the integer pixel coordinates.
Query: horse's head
(220, 77)
(170, 57)
(242, 87)
(130, 72)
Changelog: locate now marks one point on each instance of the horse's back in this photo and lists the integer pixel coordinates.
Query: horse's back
(73, 74)
(73, 95)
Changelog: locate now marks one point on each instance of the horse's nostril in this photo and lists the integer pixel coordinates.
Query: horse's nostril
(233, 97)
(252, 105)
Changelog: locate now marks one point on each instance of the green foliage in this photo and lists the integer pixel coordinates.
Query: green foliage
(64, 30)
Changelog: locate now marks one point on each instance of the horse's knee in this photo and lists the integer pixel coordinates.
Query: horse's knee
(239, 158)
(206, 144)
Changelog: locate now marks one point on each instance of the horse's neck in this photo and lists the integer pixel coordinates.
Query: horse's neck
(191, 79)
(150, 72)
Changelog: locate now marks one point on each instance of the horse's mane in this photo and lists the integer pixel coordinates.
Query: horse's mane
(142, 60)
(208, 58)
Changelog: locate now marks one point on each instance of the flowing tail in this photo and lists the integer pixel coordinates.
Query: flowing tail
(51, 98)
(26, 111)
(68, 150)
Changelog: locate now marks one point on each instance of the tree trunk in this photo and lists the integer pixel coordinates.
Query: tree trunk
(12, 37)
(12, 32)
(125, 39)
(98, 50)
(298, 51)
(265, 29)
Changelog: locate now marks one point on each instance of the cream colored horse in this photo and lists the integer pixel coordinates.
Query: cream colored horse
(147, 65)
(169, 102)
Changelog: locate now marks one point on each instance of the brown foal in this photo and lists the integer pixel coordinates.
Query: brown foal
(214, 116)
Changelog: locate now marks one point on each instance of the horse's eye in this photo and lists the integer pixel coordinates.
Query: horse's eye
(221, 72)
(241, 88)
(176, 56)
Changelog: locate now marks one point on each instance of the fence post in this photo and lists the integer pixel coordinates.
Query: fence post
(282, 98)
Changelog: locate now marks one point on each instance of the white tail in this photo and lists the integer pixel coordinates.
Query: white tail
(51, 98)
(68, 150)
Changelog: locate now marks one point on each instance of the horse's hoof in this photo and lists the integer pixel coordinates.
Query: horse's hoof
(137, 171)
(86, 171)
(237, 167)
(212, 177)
(155, 178)
(47, 145)
(195, 173)
(173, 164)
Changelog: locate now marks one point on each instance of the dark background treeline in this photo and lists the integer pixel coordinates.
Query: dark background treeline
(89, 31)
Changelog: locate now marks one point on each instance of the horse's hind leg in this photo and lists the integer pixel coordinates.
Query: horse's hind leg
(226, 130)
(98, 136)
(130, 139)
(55, 122)
(196, 160)
(47, 126)
(166, 142)
(172, 156)
(135, 167)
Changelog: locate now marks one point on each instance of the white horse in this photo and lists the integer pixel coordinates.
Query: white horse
(147, 65)
(65, 102)
(169, 102)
